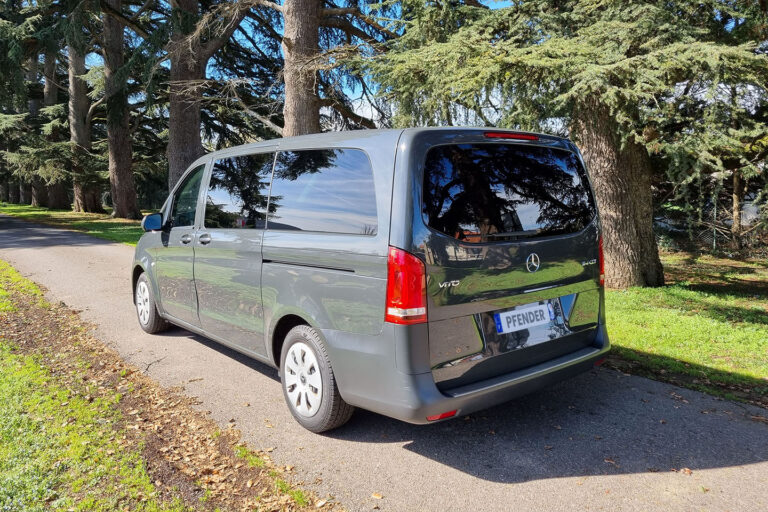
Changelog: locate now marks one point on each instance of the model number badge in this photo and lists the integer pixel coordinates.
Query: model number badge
(590, 262)
(449, 284)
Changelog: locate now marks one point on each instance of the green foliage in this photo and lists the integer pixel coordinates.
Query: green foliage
(709, 329)
(687, 79)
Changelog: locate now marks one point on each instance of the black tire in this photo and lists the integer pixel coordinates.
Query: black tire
(333, 411)
(149, 320)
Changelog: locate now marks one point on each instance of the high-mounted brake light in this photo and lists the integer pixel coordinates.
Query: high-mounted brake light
(601, 259)
(510, 135)
(442, 416)
(406, 288)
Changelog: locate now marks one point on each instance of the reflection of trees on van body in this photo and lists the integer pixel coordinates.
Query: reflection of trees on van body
(474, 192)
(328, 190)
(238, 192)
(292, 164)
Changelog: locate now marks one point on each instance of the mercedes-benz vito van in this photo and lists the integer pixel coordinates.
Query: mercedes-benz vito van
(419, 273)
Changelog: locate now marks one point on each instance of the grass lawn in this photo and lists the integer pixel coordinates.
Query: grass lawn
(96, 224)
(707, 329)
(80, 429)
(61, 450)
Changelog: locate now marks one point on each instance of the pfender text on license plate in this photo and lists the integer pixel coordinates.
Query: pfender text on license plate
(519, 319)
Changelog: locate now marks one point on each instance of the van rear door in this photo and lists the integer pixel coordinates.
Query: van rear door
(507, 228)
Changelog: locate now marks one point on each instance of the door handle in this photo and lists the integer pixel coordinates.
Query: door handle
(204, 238)
(185, 239)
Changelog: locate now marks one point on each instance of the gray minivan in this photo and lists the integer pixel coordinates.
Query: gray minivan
(422, 273)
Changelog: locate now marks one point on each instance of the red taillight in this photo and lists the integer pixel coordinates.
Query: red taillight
(406, 288)
(509, 135)
(601, 259)
(442, 416)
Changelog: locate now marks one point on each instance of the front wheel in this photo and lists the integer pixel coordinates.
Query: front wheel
(146, 309)
(309, 385)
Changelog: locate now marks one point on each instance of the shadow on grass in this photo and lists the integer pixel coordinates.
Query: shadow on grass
(722, 312)
(731, 385)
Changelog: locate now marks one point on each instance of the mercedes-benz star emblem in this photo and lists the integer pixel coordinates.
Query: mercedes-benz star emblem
(532, 263)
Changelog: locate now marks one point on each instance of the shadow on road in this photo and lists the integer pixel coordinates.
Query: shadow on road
(22, 234)
(600, 423)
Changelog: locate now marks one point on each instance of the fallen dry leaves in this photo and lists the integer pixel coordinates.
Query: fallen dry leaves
(186, 454)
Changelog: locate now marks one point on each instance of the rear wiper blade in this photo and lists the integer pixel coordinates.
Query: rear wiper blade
(527, 233)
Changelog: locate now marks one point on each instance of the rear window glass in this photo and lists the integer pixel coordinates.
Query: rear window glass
(328, 190)
(500, 192)
(238, 192)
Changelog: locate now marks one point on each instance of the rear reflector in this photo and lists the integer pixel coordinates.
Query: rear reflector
(602, 260)
(599, 361)
(406, 288)
(510, 135)
(442, 416)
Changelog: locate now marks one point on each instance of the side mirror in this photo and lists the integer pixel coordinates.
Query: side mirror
(152, 222)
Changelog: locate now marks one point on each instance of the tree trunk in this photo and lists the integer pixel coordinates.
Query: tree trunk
(86, 191)
(184, 140)
(58, 197)
(300, 46)
(118, 119)
(39, 192)
(25, 192)
(55, 191)
(622, 180)
(14, 195)
(738, 199)
(3, 190)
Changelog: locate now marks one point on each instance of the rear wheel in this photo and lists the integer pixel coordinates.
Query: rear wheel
(146, 308)
(309, 385)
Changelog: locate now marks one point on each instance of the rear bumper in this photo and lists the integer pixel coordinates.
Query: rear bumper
(375, 384)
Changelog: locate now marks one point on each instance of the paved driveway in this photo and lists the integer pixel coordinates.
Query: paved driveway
(601, 441)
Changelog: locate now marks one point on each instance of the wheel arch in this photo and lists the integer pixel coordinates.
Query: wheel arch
(137, 271)
(281, 329)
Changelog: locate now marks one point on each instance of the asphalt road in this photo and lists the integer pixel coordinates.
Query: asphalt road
(601, 441)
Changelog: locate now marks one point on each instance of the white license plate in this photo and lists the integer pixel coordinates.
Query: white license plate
(523, 318)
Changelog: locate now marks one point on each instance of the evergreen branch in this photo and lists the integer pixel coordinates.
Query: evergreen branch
(347, 27)
(128, 22)
(265, 25)
(141, 10)
(354, 11)
(213, 45)
(92, 110)
(347, 112)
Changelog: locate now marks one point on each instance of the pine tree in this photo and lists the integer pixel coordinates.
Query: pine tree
(601, 70)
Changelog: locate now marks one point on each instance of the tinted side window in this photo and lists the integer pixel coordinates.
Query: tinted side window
(498, 192)
(238, 192)
(185, 199)
(328, 190)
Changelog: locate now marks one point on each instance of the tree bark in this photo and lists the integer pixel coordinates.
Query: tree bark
(622, 180)
(87, 193)
(56, 191)
(14, 194)
(120, 149)
(25, 192)
(39, 192)
(184, 139)
(3, 190)
(300, 46)
(738, 200)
